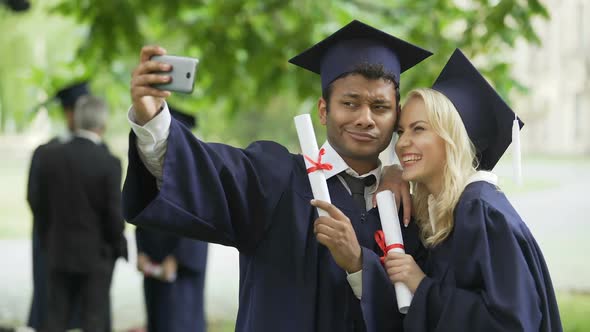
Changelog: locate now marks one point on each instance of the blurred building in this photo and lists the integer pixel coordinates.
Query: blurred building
(557, 109)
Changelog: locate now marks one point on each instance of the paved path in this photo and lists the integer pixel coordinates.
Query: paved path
(126, 293)
(559, 219)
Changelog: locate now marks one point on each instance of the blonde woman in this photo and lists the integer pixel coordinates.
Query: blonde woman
(484, 270)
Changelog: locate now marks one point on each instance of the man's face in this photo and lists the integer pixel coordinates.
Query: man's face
(361, 118)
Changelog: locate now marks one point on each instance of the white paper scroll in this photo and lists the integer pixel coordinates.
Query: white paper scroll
(393, 235)
(309, 148)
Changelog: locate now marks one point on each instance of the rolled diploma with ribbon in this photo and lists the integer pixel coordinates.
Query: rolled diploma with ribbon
(393, 239)
(309, 149)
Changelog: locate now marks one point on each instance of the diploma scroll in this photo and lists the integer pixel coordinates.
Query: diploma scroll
(312, 156)
(393, 237)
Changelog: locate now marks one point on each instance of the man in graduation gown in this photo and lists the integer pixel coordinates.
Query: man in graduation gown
(174, 273)
(489, 274)
(82, 228)
(68, 97)
(298, 272)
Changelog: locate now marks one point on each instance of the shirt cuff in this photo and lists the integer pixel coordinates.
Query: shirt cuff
(154, 131)
(355, 280)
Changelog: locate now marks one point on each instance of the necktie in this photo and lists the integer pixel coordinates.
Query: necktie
(357, 187)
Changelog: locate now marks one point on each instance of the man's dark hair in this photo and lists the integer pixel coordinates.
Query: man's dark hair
(368, 71)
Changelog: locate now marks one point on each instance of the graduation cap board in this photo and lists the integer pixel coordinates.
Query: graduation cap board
(18, 5)
(188, 120)
(70, 94)
(358, 43)
(490, 122)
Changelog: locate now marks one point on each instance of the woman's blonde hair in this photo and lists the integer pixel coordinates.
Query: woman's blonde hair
(458, 167)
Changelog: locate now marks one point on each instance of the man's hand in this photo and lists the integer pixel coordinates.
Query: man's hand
(146, 99)
(170, 267)
(402, 267)
(336, 233)
(142, 261)
(391, 179)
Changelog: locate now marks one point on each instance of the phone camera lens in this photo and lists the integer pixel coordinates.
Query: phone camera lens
(188, 75)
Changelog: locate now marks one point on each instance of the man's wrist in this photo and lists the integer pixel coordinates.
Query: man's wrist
(357, 265)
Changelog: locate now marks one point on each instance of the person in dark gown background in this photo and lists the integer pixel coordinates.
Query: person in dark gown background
(298, 272)
(174, 273)
(484, 270)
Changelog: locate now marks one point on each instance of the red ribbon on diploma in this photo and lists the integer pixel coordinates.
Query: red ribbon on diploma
(380, 239)
(317, 165)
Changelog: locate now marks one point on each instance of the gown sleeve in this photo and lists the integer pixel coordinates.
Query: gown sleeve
(210, 192)
(191, 254)
(379, 302)
(494, 289)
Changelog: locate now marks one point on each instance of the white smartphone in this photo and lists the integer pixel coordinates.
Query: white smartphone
(183, 73)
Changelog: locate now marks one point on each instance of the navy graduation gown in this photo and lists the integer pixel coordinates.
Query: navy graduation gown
(489, 275)
(257, 200)
(174, 306)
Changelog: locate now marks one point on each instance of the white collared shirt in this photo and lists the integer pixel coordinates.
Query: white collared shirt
(89, 135)
(483, 176)
(152, 144)
(338, 166)
(152, 141)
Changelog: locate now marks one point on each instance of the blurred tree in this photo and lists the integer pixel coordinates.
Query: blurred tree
(245, 85)
(38, 56)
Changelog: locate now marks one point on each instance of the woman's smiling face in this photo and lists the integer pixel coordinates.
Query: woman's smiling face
(420, 149)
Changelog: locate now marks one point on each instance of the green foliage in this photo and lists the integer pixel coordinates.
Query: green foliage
(38, 53)
(244, 78)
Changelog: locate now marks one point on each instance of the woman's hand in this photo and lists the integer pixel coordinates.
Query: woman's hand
(142, 261)
(170, 268)
(402, 267)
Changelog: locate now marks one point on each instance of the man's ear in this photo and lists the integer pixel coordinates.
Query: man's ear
(322, 110)
(69, 114)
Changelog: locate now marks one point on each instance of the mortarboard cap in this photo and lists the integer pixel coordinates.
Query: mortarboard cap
(187, 119)
(355, 44)
(487, 118)
(18, 5)
(70, 94)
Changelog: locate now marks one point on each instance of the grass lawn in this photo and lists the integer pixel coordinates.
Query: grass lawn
(575, 311)
(221, 326)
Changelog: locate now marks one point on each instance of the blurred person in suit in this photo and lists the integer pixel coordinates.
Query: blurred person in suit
(174, 273)
(82, 228)
(67, 97)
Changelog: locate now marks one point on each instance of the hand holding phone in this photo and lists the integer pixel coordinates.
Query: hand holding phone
(182, 74)
(150, 79)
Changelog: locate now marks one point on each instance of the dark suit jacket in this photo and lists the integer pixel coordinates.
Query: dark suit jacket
(39, 302)
(81, 207)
